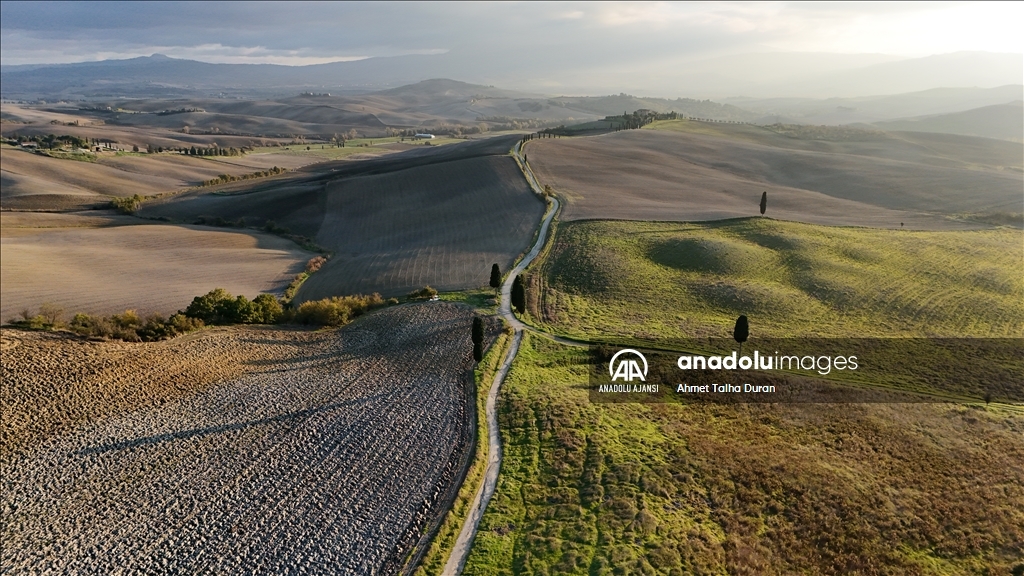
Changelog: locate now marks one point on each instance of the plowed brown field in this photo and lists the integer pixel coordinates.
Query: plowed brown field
(103, 265)
(35, 182)
(707, 172)
(436, 216)
(234, 451)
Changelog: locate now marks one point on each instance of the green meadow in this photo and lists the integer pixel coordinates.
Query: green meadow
(601, 489)
(640, 282)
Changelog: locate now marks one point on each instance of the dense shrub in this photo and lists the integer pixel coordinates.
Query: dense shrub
(224, 178)
(131, 328)
(315, 264)
(425, 293)
(219, 307)
(273, 228)
(215, 307)
(126, 205)
(336, 311)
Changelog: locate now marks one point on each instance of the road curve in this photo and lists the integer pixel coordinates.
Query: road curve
(460, 552)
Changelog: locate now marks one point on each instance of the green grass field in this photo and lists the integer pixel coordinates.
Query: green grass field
(644, 282)
(595, 489)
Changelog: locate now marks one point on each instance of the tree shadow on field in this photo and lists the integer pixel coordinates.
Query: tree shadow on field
(210, 430)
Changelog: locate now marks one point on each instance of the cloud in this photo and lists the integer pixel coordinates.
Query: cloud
(577, 35)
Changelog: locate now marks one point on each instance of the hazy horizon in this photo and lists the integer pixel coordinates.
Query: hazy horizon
(656, 49)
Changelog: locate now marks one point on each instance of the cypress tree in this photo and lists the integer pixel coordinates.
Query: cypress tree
(764, 201)
(478, 330)
(495, 278)
(741, 331)
(519, 295)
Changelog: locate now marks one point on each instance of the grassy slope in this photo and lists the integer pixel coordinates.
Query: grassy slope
(634, 280)
(812, 489)
(759, 489)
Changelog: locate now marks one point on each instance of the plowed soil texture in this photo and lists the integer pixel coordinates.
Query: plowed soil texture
(435, 216)
(235, 450)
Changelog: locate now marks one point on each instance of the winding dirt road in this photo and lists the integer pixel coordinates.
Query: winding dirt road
(460, 552)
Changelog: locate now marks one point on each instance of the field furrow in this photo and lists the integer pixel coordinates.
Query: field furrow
(332, 460)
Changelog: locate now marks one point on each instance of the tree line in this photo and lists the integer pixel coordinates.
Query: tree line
(50, 141)
(225, 178)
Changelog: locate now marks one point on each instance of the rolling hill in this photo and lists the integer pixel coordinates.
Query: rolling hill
(877, 108)
(437, 216)
(105, 264)
(683, 170)
(1002, 121)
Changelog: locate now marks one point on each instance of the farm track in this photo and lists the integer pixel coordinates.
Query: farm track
(329, 462)
(460, 551)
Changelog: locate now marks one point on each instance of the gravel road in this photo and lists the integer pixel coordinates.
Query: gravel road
(460, 551)
(327, 463)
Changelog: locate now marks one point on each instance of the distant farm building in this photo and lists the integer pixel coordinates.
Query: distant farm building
(424, 136)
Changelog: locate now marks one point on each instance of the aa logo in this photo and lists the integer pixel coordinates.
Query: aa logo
(627, 367)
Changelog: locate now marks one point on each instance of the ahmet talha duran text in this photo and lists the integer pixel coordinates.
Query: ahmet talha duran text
(725, 388)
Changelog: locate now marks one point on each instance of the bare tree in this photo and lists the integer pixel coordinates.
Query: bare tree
(53, 313)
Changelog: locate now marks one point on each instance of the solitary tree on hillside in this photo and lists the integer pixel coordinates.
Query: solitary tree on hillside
(495, 278)
(478, 338)
(519, 295)
(764, 201)
(741, 331)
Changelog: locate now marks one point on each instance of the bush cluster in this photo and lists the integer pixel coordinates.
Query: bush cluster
(130, 327)
(216, 307)
(273, 228)
(127, 205)
(336, 311)
(50, 141)
(213, 151)
(425, 293)
(315, 264)
(219, 307)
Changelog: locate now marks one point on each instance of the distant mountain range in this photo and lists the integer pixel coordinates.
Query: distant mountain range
(752, 75)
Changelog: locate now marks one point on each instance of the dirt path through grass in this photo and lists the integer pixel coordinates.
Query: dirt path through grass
(457, 559)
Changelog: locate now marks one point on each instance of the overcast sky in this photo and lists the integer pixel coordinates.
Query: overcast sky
(611, 33)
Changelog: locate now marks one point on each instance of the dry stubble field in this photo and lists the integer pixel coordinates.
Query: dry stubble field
(32, 181)
(103, 264)
(689, 171)
(241, 450)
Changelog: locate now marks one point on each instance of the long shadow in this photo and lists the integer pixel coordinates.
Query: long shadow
(199, 432)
